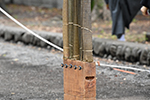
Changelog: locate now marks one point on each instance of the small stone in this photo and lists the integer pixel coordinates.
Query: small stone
(124, 79)
(137, 63)
(148, 75)
(12, 93)
(114, 58)
(144, 66)
(105, 56)
(109, 57)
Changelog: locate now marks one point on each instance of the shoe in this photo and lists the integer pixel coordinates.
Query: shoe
(122, 38)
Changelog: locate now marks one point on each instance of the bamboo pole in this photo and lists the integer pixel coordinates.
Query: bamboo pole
(65, 30)
(71, 15)
(86, 31)
(76, 32)
(79, 29)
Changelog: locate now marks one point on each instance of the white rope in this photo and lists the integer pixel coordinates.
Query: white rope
(124, 67)
(41, 38)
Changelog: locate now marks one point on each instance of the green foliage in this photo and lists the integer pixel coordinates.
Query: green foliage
(99, 4)
(146, 38)
(102, 31)
(113, 37)
(134, 20)
(92, 4)
(127, 30)
(136, 38)
(16, 16)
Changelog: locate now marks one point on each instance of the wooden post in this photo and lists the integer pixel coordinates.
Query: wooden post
(79, 84)
(79, 68)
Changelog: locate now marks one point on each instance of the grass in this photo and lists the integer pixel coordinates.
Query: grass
(132, 38)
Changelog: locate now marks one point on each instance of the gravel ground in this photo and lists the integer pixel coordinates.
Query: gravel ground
(33, 73)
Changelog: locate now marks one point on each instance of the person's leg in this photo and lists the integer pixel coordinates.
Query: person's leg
(118, 27)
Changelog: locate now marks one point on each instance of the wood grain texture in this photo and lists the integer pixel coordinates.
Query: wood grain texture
(80, 83)
(70, 97)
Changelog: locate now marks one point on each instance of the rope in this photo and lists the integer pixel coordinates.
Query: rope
(124, 67)
(41, 38)
(77, 25)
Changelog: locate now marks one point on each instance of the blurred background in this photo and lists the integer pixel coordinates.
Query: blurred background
(46, 15)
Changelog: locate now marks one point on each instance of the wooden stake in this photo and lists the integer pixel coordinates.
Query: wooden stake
(79, 29)
(86, 31)
(65, 30)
